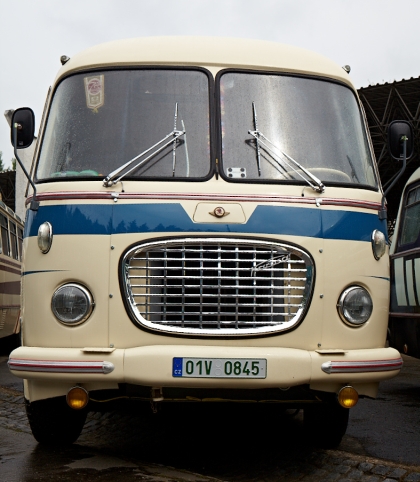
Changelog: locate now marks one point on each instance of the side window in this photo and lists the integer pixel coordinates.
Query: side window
(20, 242)
(5, 246)
(14, 241)
(411, 217)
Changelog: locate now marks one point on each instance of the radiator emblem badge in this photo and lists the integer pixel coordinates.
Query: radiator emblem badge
(219, 212)
(284, 258)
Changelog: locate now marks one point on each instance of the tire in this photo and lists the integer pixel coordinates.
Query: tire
(325, 424)
(9, 343)
(53, 422)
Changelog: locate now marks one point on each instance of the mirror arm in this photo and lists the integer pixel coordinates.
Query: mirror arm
(34, 203)
(382, 212)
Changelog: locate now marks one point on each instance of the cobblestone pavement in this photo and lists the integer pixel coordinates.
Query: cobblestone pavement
(116, 434)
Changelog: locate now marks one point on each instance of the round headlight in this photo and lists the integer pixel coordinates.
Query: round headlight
(72, 304)
(355, 306)
(378, 244)
(45, 237)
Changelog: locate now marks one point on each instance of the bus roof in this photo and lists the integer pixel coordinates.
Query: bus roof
(210, 52)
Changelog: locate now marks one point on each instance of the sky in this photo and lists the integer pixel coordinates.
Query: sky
(379, 39)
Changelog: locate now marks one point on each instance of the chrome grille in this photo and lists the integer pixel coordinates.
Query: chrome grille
(217, 286)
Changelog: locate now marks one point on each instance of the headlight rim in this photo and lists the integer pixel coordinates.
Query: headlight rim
(340, 304)
(86, 292)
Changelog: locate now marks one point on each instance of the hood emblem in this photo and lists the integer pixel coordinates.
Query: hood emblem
(219, 212)
(270, 263)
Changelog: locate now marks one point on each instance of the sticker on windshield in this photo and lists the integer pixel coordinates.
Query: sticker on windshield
(94, 89)
(236, 172)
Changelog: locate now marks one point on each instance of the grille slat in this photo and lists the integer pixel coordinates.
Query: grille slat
(209, 251)
(261, 305)
(213, 261)
(215, 295)
(225, 323)
(276, 278)
(204, 286)
(217, 286)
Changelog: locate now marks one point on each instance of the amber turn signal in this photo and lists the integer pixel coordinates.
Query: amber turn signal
(347, 397)
(77, 398)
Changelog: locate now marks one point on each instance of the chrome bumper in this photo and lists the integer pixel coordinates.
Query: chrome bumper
(152, 366)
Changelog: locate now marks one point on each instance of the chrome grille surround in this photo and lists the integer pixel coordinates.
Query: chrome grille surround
(217, 286)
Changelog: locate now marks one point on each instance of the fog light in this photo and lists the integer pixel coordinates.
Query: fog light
(347, 397)
(77, 398)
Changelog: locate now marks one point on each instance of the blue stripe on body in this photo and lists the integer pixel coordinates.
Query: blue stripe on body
(107, 219)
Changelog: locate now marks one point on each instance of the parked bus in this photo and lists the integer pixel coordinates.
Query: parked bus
(404, 316)
(204, 228)
(11, 236)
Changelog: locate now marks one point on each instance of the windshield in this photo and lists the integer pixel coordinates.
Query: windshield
(99, 121)
(276, 127)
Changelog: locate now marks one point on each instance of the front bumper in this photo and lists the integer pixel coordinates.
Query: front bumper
(152, 366)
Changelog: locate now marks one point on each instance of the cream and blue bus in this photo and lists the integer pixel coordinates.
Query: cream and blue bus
(205, 226)
(11, 239)
(404, 316)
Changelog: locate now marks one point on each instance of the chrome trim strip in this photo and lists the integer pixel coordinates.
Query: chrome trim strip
(362, 366)
(404, 315)
(57, 196)
(408, 252)
(6, 261)
(60, 366)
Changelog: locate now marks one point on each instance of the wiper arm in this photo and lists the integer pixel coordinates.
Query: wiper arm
(316, 183)
(112, 178)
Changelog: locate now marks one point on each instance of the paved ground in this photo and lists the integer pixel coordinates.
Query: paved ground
(215, 443)
(123, 446)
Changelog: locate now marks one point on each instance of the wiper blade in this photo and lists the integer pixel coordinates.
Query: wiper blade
(316, 183)
(257, 140)
(174, 144)
(112, 178)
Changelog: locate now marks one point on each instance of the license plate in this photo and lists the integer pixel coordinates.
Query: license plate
(219, 367)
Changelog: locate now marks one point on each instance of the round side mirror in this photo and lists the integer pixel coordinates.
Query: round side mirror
(398, 131)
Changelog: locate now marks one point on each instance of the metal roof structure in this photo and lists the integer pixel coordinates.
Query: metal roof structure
(384, 103)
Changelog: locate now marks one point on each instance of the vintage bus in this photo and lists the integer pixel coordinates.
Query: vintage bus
(11, 237)
(205, 227)
(404, 316)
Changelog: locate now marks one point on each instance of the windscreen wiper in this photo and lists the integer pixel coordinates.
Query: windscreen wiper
(112, 178)
(274, 150)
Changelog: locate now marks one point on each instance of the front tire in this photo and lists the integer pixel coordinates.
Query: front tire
(326, 424)
(53, 422)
